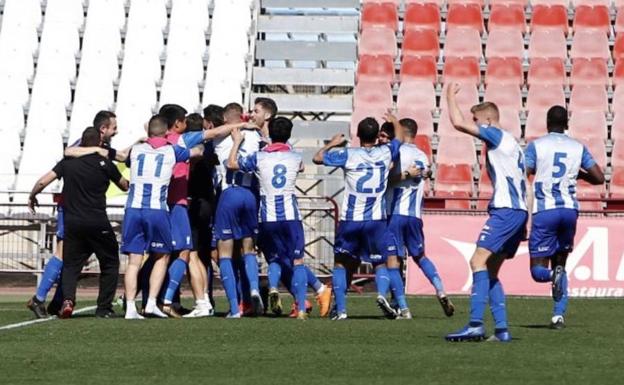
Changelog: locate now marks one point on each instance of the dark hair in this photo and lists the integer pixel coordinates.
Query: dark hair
(157, 126)
(280, 129)
(194, 122)
(90, 137)
(388, 129)
(267, 104)
(557, 119)
(233, 107)
(214, 115)
(172, 113)
(410, 126)
(367, 130)
(102, 118)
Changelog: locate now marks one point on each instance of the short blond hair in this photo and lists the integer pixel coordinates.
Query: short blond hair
(486, 106)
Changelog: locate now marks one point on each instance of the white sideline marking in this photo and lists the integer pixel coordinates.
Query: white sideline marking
(36, 321)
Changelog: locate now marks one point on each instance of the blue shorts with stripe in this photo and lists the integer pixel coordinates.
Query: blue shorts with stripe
(408, 232)
(281, 241)
(60, 223)
(237, 214)
(503, 231)
(181, 234)
(552, 232)
(365, 240)
(146, 230)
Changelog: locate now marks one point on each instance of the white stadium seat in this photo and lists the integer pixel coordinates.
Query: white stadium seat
(222, 92)
(69, 12)
(182, 91)
(27, 11)
(13, 88)
(110, 13)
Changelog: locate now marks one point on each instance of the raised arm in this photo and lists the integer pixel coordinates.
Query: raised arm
(237, 139)
(398, 130)
(458, 120)
(222, 131)
(77, 151)
(335, 141)
(41, 184)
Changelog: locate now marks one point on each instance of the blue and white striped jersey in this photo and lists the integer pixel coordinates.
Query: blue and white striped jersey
(151, 167)
(277, 174)
(226, 178)
(556, 159)
(505, 166)
(406, 197)
(366, 176)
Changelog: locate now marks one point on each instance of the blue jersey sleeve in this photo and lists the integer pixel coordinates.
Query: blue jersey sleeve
(530, 156)
(395, 146)
(192, 139)
(336, 158)
(181, 154)
(587, 160)
(248, 163)
(492, 136)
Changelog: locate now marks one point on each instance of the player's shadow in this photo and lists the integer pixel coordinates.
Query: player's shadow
(535, 326)
(369, 317)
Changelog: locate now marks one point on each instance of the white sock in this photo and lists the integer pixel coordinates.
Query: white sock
(206, 297)
(131, 307)
(151, 305)
(321, 289)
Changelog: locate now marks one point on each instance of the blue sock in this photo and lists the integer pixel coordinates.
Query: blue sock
(274, 273)
(541, 274)
(51, 274)
(382, 280)
(396, 283)
(497, 304)
(313, 281)
(176, 274)
(478, 299)
(228, 279)
(300, 286)
(251, 268)
(561, 306)
(430, 271)
(339, 281)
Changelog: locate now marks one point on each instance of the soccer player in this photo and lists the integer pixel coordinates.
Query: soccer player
(405, 198)
(362, 231)
(506, 226)
(554, 162)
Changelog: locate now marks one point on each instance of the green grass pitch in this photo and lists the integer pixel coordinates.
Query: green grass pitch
(366, 349)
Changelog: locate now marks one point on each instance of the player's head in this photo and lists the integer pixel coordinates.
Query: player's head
(233, 113)
(485, 113)
(213, 116)
(90, 137)
(175, 116)
(386, 133)
(368, 130)
(557, 119)
(157, 126)
(105, 122)
(280, 129)
(410, 128)
(264, 109)
(194, 122)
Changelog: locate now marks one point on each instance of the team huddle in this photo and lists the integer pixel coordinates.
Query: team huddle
(219, 189)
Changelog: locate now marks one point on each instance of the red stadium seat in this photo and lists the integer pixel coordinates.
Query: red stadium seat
(504, 71)
(617, 130)
(456, 150)
(546, 71)
(617, 157)
(485, 189)
(542, 97)
(548, 44)
(504, 43)
(508, 96)
(464, 15)
(419, 68)
(589, 98)
(417, 95)
(618, 101)
(592, 17)
(549, 17)
(359, 114)
(618, 47)
(590, 44)
(375, 95)
(377, 41)
(373, 67)
(423, 119)
(461, 70)
(535, 126)
(454, 181)
(585, 190)
(424, 144)
(421, 42)
(480, 3)
(380, 15)
(594, 3)
(422, 15)
(467, 97)
(523, 3)
(563, 3)
(588, 124)
(589, 72)
(618, 74)
(463, 42)
(616, 185)
(619, 21)
(596, 147)
(507, 16)
(510, 121)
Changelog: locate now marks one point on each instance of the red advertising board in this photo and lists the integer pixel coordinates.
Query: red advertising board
(595, 267)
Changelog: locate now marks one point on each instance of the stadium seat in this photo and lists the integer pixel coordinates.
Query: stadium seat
(14, 89)
(82, 115)
(563, 3)
(617, 157)
(421, 42)
(618, 47)
(504, 71)
(617, 105)
(507, 96)
(618, 74)
(377, 41)
(61, 37)
(190, 65)
(524, 3)
(589, 72)
(535, 125)
(419, 68)
(464, 15)
(588, 124)
(456, 150)
(616, 184)
(70, 12)
(225, 66)
(131, 120)
(589, 98)
(461, 70)
(590, 44)
(182, 11)
(454, 181)
(373, 95)
(617, 128)
(379, 14)
(360, 114)
(423, 142)
(593, 3)
(154, 11)
(467, 97)
(508, 17)
(510, 121)
(619, 21)
(222, 91)
(373, 67)
(11, 146)
(27, 11)
(180, 90)
(188, 37)
(546, 72)
(484, 190)
(542, 97)
(595, 194)
(423, 119)
(48, 87)
(549, 17)
(504, 43)
(545, 43)
(418, 95)
(7, 169)
(463, 42)
(589, 17)
(422, 15)
(596, 147)
(21, 66)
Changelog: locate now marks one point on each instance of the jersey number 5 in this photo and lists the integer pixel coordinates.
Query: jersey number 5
(368, 176)
(559, 156)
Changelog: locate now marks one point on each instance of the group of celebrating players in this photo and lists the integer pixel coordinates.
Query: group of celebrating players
(187, 163)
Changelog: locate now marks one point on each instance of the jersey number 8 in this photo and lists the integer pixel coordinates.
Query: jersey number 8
(279, 176)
